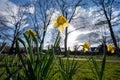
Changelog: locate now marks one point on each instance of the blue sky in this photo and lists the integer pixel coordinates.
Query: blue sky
(18, 2)
(79, 36)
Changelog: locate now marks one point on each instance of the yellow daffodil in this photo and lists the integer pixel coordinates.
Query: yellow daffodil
(61, 23)
(28, 32)
(85, 46)
(85, 49)
(110, 48)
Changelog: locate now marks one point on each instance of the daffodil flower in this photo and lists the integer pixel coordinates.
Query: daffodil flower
(110, 48)
(61, 23)
(85, 46)
(28, 32)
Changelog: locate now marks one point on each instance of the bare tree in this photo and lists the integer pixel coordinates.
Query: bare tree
(108, 8)
(64, 6)
(41, 19)
(13, 24)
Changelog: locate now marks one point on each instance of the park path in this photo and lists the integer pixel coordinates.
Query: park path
(84, 59)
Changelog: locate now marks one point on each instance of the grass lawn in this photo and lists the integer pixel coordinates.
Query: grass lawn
(85, 72)
(112, 69)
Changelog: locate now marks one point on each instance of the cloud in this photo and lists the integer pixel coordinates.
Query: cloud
(13, 13)
(6, 5)
(84, 22)
(82, 26)
(2, 4)
(8, 10)
(81, 20)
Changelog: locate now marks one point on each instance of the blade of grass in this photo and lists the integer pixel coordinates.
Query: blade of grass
(103, 66)
(20, 56)
(96, 67)
(2, 47)
(2, 74)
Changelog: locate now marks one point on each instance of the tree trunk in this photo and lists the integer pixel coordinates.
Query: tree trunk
(110, 28)
(65, 41)
(12, 46)
(43, 38)
(112, 34)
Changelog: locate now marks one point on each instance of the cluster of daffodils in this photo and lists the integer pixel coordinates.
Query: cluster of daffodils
(110, 48)
(85, 46)
(60, 23)
(30, 31)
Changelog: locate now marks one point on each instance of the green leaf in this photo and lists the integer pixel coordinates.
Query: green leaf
(103, 66)
(2, 74)
(23, 43)
(12, 74)
(2, 47)
(96, 66)
(34, 38)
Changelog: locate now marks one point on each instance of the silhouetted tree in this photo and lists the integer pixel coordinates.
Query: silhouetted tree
(64, 7)
(108, 8)
(42, 18)
(13, 24)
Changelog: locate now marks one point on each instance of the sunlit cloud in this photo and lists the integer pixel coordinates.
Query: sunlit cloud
(82, 27)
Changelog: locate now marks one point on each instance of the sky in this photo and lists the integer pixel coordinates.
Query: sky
(77, 37)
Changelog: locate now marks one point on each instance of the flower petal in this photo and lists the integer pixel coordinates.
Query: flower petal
(61, 28)
(60, 23)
